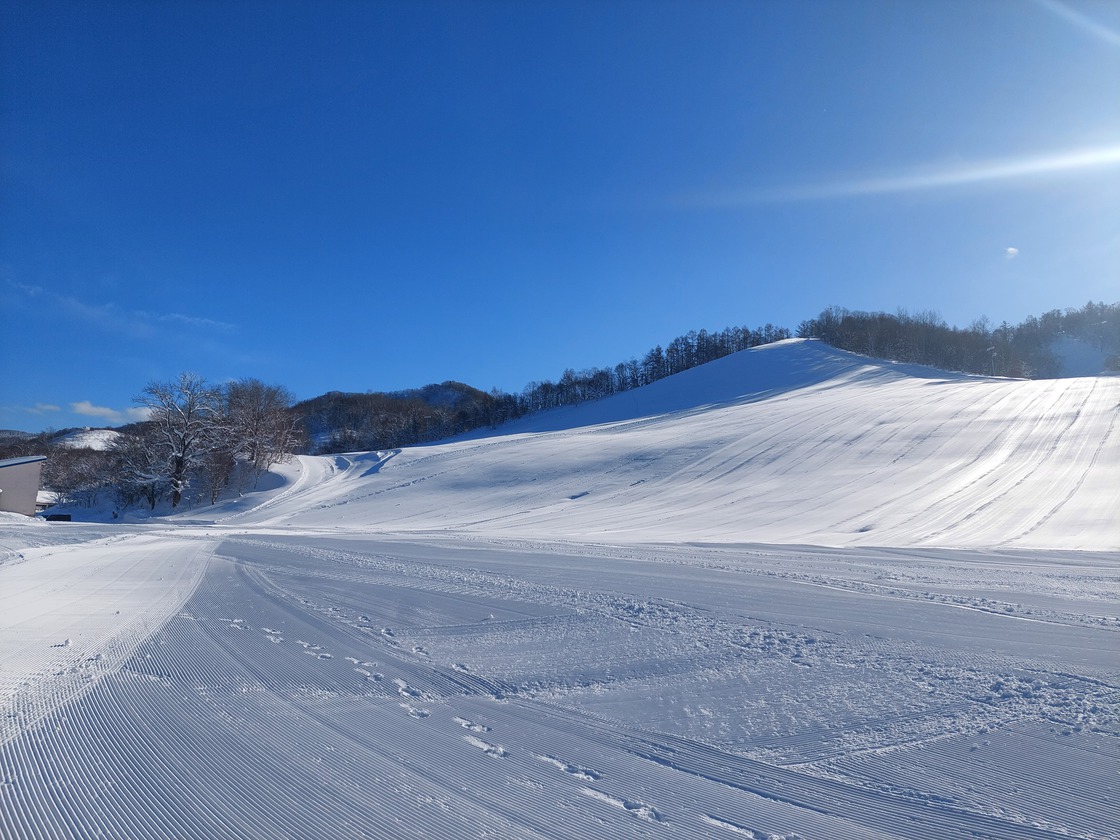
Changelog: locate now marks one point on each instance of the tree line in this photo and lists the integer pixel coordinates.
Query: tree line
(344, 422)
(1023, 350)
(681, 354)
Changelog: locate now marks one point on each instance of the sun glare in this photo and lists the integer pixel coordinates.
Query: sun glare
(928, 178)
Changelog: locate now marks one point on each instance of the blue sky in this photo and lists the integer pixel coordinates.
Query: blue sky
(374, 195)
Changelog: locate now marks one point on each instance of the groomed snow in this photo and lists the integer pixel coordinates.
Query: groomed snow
(794, 593)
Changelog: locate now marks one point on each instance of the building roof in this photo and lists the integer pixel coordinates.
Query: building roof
(28, 459)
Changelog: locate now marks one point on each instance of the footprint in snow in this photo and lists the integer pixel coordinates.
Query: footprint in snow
(639, 809)
(584, 773)
(736, 828)
(405, 690)
(488, 748)
(471, 725)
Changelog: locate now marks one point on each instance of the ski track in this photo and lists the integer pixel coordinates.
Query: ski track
(574, 630)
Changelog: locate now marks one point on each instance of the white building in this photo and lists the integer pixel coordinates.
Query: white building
(19, 483)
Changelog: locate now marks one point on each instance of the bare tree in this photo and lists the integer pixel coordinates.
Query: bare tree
(185, 416)
(215, 469)
(140, 466)
(76, 476)
(261, 430)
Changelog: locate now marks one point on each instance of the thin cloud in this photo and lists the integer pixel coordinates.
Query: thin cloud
(110, 415)
(41, 408)
(1082, 22)
(926, 178)
(110, 317)
(106, 316)
(30, 291)
(191, 321)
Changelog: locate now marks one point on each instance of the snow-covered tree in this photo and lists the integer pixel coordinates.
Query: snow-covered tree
(185, 417)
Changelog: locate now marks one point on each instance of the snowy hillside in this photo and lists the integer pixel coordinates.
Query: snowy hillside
(794, 593)
(99, 439)
(794, 442)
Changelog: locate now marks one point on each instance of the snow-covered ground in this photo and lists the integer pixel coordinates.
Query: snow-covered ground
(791, 593)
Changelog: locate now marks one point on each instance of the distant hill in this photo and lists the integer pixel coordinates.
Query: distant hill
(345, 422)
(98, 439)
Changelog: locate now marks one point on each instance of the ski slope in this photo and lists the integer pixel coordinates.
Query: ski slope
(794, 442)
(791, 594)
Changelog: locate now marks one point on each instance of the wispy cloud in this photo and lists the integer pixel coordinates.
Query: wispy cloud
(105, 316)
(921, 178)
(1011, 253)
(30, 291)
(191, 321)
(110, 415)
(134, 323)
(1082, 22)
(38, 408)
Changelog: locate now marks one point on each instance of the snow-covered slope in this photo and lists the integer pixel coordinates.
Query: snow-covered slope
(794, 442)
(100, 439)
